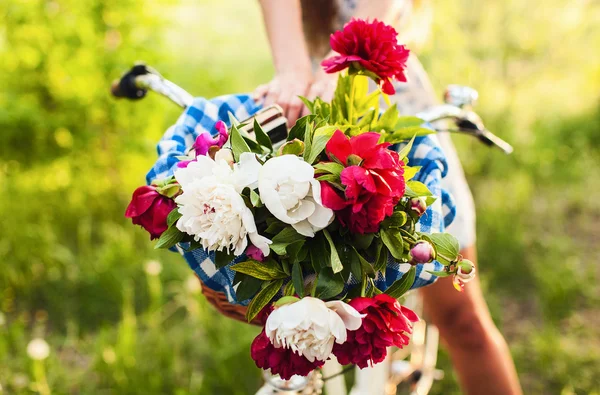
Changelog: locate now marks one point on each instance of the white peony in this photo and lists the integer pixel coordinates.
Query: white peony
(288, 188)
(310, 326)
(212, 209)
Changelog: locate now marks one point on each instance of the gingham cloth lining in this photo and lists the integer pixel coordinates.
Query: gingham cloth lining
(201, 117)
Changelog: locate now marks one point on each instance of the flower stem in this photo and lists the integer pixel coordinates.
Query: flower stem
(363, 286)
(351, 108)
(387, 99)
(39, 373)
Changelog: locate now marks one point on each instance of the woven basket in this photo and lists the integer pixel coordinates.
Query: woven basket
(220, 302)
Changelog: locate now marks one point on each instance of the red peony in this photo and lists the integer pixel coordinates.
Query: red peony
(374, 181)
(372, 47)
(150, 209)
(387, 324)
(281, 361)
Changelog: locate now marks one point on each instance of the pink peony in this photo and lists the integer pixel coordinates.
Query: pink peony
(204, 141)
(387, 324)
(371, 47)
(150, 209)
(281, 361)
(374, 181)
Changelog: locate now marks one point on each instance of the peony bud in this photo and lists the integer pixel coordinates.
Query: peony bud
(255, 253)
(422, 252)
(466, 271)
(417, 206)
(354, 160)
(294, 147)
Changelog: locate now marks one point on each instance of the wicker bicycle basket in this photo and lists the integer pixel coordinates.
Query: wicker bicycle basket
(220, 302)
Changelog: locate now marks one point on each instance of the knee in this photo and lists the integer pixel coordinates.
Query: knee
(466, 329)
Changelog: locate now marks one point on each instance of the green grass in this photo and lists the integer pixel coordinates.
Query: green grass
(73, 267)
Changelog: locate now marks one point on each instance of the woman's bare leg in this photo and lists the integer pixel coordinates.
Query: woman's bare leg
(478, 351)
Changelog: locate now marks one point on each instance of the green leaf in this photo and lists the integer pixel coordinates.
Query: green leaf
(309, 104)
(255, 199)
(284, 238)
(381, 256)
(169, 238)
(267, 270)
(365, 122)
(275, 226)
(248, 287)
(329, 178)
(387, 121)
(288, 290)
(238, 144)
(298, 279)
(319, 256)
(287, 299)
(261, 137)
(446, 247)
(329, 167)
(254, 146)
(439, 273)
(173, 216)
(308, 137)
(362, 241)
(395, 221)
(401, 286)
(298, 130)
(410, 172)
(407, 121)
(262, 299)
(294, 251)
(335, 262)
(293, 147)
(404, 134)
(366, 267)
(417, 189)
(223, 258)
(404, 151)
(393, 241)
(329, 284)
(320, 139)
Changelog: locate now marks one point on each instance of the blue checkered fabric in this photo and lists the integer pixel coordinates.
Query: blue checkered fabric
(201, 118)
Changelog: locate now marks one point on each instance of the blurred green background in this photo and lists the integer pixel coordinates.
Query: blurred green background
(75, 272)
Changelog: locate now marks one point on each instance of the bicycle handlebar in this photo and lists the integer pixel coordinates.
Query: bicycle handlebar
(141, 78)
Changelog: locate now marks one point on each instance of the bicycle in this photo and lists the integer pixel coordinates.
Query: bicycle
(412, 369)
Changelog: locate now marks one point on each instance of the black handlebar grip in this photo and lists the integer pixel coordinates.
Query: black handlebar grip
(126, 86)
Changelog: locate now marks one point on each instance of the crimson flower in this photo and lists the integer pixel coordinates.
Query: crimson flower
(281, 361)
(150, 209)
(387, 324)
(204, 142)
(371, 47)
(373, 179)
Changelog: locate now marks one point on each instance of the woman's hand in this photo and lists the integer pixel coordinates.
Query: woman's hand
(323, 86)
(284, 90)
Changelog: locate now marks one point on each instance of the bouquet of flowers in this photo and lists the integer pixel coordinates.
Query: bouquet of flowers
(322, 234)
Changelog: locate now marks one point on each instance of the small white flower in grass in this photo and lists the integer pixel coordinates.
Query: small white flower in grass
(153, 268)
(212, 209)
(289, 190)
(20, 381)
(192, 284)
(310, 326)
(109, 356)
(38, 349)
